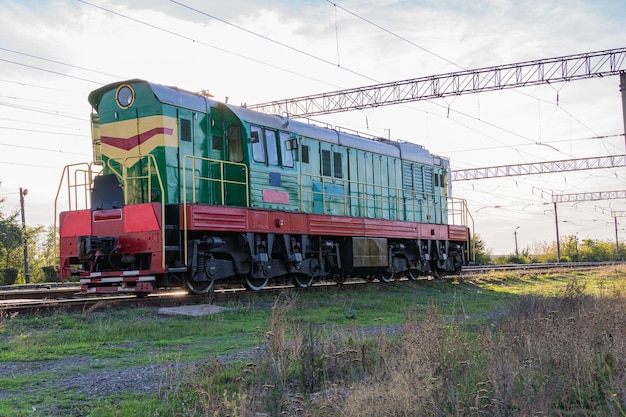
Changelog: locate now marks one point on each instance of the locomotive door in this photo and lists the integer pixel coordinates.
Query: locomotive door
(234, 175)
(431, 205)
(189, 168)
(227, 146)
(330, 191)
(440, 202)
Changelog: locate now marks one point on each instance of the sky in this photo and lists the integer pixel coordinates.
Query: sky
(54, 53)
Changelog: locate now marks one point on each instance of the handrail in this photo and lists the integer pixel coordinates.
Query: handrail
(221, 181)
(381, 198)
(83, 175)
(126, 178)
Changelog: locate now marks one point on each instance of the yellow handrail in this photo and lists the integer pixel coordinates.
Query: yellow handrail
(151, 169)
(83, 175)
(221, 181)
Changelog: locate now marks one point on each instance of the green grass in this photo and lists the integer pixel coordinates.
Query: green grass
(119, 337)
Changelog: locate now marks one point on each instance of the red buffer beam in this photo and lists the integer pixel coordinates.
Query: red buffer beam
(612, 161)
(521, 74)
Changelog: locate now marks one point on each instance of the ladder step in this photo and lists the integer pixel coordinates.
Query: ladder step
(172, 248)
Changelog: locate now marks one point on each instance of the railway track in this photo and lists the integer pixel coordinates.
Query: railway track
(542, 266)
(36, 300)
(46, 297)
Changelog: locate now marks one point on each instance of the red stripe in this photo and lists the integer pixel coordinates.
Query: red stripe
(136, 140)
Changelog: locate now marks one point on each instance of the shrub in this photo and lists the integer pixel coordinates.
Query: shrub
(9, 276)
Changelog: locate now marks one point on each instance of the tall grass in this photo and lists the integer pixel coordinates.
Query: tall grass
(545, 356)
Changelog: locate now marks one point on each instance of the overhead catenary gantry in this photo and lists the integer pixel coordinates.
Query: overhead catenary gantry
(578, 197)
(611, 161)
(521, 74)
(590, 196)
(543, 71)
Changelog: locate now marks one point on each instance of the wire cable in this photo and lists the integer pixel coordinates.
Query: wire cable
(300, 51)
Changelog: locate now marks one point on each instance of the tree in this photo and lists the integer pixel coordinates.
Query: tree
(40, 241)
(569, 249)
(10, 240)
(482, 254)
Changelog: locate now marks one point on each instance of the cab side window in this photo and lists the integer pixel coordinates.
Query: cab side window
(286, 146)
(258, 144)
(272, 147)
(235, 152)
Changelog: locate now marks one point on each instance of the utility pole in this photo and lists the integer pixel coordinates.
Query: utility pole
(516, 251)
(616, 241)
(26, 270)
(558, 244)
(622, 88)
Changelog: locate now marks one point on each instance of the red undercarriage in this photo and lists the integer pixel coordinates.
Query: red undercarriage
(137, 229)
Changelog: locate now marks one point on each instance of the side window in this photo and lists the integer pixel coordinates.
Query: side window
(338, 172)
(258, 145)
(216, 143)
(272, 149)
(326, 170)
(305, 154)
(235, 151)
(185, 130)
(287, 151)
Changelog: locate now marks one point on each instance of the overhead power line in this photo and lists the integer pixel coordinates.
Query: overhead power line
(521, 74)
(300, 51)
(59, 62)
(395, 35)
(199, 42)
(50, 71)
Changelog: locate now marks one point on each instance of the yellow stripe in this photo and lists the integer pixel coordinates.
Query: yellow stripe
(133, 127)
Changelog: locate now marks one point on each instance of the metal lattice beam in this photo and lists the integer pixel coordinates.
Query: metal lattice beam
(593, 196)
(521, 74)
(540, 168)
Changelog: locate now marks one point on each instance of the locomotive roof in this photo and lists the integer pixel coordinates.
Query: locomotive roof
(165, 94)
(398, 149)
(195, 101)
(405, 150)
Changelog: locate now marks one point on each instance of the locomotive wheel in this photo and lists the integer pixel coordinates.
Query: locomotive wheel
(386, 277)
(414, 274)
(437, 272)
(302, 280)
(256, 284)
(199, 287)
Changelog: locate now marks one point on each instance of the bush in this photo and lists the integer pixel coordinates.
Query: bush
(554, 356)
(9, 276)
(49, 274)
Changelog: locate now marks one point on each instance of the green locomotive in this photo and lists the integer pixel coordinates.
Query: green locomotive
(185, 190)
